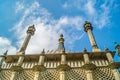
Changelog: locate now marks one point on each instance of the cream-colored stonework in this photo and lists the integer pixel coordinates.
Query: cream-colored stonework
(60, 65)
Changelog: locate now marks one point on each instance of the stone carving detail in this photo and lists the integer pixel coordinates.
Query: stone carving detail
(5, 74)
(50, 74)
(25, 75)
(76, 74)
(63, 67)
(89, 66)
(39, 68)
(16, 68)
(103, 74)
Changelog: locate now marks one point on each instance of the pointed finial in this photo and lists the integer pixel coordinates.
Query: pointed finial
(106, 49)
(43, 52)
(85, 50)
(61, 47)
(5, 52)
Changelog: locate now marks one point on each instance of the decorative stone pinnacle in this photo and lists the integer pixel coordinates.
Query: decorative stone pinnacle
(61, 48)
(106, 49)
(43, 52)
(31, 30)
(61, 40)
(5, 52)
(87, 26)
(85, 50)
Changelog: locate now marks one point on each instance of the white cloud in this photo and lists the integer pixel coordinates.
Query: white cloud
(89, 7)
(19, 6)
(98, 12)
(5, 44)
(76, 4)
(47, 29)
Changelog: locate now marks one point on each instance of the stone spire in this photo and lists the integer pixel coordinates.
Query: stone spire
(30, 32)
(61, 47)
(88, 28)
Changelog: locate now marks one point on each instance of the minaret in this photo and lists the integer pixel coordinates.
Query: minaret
(61, 47)
(30, 32)
(88, 28)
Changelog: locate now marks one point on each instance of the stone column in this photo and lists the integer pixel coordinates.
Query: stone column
(30, 32)
(86, 66)
(14, 74)
(112, 65)
(41, 59)
(88, 28)
(86, 58)
(15, 69)
(62, 75)
(63, 67)
(109, 57)
(63, 62)
(89, 74)
(63, 59)
(40, 64)
(20, 60)
(37, 73)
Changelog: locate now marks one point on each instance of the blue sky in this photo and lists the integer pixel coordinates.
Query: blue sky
(53, 17)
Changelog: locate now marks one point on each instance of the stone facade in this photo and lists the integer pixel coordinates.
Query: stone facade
(60, 65)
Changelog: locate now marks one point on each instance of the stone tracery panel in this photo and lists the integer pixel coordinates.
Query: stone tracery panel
(103, 74)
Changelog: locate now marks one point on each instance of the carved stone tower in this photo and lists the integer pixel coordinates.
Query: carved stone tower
(30, 32)
(88, 28)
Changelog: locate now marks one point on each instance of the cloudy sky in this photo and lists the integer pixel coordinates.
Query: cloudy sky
(53, 17)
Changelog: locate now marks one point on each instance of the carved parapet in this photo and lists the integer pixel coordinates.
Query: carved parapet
(16, 68)
(39, 68)
(63, 67)
(89, 66)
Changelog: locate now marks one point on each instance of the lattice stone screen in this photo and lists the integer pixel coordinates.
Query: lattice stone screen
(76, 74)
(103, 74)
(50, 74)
